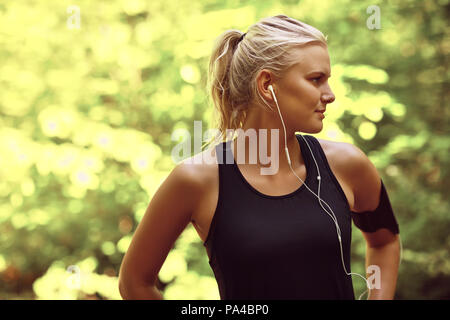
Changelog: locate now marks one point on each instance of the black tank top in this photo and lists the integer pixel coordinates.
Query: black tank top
(279, 247)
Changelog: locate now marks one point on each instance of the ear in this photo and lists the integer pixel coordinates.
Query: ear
(263, 80)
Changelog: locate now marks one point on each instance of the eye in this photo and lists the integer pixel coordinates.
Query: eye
(317, 79)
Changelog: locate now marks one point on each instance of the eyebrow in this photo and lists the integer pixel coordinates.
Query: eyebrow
(319, 72)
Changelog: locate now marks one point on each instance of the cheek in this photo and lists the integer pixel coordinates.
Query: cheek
(307, 93)
(298, 92)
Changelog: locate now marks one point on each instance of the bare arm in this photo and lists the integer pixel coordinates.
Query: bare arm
(383, 250)
(382, 245)
(167, 215)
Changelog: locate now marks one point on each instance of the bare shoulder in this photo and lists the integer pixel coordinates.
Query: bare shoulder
(357, 169)
(200, 169)
(342, 154)
(192, 177)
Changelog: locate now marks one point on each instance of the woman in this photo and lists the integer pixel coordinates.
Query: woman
(283, 235)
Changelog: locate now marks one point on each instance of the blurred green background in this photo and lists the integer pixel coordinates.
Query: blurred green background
(88, 107)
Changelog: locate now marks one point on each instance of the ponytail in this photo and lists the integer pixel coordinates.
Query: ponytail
(220, 90)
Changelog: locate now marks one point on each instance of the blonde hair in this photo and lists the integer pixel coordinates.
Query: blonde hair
(234, 65)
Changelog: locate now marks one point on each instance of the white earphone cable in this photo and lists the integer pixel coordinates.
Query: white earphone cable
(332, 216)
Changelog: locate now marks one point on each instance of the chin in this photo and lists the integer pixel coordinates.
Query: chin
(318, 130)
(311, 129)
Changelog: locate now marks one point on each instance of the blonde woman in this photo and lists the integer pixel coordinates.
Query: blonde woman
(283, 235)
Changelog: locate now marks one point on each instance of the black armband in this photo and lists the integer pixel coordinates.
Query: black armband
(381, 217)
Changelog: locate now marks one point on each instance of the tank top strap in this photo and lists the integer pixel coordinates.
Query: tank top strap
(327, 176)
(308, 153)
(224, 160)
(223, 154)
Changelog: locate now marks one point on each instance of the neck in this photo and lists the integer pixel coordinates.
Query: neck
(262, 145)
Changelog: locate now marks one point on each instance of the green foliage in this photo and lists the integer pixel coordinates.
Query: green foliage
(86, 116)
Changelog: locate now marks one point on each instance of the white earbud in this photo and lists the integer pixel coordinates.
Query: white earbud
(332, 215)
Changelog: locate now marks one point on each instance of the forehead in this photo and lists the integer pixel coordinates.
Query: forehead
(312, 57)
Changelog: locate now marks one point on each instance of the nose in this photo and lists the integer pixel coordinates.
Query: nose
(327, 96)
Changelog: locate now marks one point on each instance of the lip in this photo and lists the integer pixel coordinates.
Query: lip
(321, 111)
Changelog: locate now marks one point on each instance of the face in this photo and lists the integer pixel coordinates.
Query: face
(304, 89)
